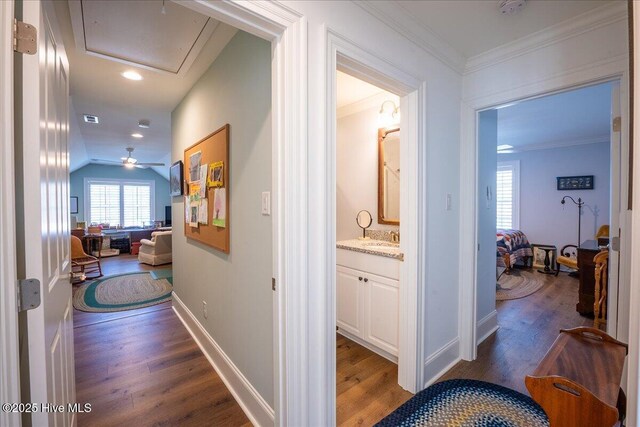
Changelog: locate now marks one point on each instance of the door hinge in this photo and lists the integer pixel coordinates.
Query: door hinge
(273, 283)
(615, 243)
(28, 294)
(25, 38)
(617, 124)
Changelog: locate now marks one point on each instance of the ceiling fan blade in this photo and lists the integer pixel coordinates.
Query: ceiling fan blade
(106, 161)
(150, 164)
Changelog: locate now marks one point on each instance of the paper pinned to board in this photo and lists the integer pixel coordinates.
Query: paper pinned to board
(203, 212)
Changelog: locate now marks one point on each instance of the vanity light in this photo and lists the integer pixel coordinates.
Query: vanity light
(389, 114)
(132, 75)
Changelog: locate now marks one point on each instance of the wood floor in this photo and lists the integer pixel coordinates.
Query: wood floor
(528, 327)
(142, 368)
(367, 385)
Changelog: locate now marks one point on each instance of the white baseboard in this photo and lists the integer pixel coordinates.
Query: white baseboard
(486, 326)
(438, 363)
(254, 406)
(370, 346)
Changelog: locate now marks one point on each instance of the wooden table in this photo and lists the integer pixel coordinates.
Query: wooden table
(586, 252)
(577, 383)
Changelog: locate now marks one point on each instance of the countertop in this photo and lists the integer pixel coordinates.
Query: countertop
(372, 247)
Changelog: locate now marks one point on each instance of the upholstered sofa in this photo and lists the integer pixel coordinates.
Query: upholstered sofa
(157, 250)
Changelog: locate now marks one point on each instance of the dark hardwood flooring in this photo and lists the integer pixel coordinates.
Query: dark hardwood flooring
(528, 327)
(141, 367)
(367, 385)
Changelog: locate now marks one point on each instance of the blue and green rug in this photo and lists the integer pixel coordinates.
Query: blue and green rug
(467, 403)
(124, 292)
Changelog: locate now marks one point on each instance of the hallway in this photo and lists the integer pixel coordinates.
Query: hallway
(141, 367)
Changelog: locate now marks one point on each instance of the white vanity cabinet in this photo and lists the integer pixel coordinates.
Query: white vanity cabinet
(367, 300)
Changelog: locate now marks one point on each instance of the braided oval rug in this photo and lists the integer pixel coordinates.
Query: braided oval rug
(123, 292)
(467, 403)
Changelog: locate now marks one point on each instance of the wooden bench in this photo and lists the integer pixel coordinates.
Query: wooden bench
(577, 383)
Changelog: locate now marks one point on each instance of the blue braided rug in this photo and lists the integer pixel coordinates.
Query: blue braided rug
(467, 403)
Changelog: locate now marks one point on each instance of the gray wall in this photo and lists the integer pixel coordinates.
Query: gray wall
(118, 172)
(542, 218)
(236, 286)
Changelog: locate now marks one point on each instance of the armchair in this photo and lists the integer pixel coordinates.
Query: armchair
(157, 250)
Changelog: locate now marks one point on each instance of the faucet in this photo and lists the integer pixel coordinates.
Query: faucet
(395, 236)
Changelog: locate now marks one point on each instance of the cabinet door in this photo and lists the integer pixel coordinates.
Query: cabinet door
(381, 312)
(349, 300)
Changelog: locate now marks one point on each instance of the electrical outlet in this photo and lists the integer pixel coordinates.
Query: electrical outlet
(204, 309)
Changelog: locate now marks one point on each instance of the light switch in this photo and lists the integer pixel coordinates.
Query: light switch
(266, 203)
(447, 204)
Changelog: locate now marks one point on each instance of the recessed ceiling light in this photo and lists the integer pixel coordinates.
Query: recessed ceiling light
(136, 135)
(131, 75)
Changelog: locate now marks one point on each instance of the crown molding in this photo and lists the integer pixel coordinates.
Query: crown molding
(401, 21)
(558, 144)
(585, 22)
(373, 101)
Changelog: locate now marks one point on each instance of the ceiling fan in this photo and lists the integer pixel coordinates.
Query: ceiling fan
(129, 162)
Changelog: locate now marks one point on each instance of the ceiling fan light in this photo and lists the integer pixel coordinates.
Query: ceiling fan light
(129, 165)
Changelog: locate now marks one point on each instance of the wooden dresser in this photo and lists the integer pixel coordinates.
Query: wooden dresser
(577, 383)
(586, 252)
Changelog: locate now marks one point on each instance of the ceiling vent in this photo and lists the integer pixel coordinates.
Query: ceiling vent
(144, 124)
(511, 7)
(88, 118)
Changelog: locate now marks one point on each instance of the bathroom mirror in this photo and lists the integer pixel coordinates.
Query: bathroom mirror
(389, 176)
(364, 220)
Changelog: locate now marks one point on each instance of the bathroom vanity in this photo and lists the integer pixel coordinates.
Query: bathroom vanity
(367, 293)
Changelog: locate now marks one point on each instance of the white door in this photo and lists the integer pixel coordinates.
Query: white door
(486, 208)
(381, 312)
(45, 217)
(349, 300)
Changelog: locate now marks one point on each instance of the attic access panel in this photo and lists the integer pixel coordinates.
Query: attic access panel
(138, 33)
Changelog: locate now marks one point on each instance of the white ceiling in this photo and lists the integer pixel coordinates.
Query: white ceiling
(350, 90)
(475, 26)
(580, 116)
(97, 87)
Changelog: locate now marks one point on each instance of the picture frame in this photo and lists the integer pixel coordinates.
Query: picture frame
(73, 205)
(176, 177)
(584, 182)
(539, 255)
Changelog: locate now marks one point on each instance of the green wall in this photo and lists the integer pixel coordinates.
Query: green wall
(118, 172)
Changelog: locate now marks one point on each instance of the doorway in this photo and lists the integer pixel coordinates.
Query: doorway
(526, 149)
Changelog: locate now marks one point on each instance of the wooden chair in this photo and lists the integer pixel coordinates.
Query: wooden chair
(569, 253)
(600, 303)
(83, 263)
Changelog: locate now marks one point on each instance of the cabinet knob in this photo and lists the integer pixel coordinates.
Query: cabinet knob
(360, 278)
(366, 280)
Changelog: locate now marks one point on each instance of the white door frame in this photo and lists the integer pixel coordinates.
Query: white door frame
(9, 358)
(287, 31)
(345, 55)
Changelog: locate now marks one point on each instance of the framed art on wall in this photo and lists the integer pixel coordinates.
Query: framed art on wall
(73, 205)
(176, 176)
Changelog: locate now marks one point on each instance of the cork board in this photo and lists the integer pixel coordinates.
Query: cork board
(214, 150)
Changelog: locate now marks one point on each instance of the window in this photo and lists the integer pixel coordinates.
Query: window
(119, 202)
(507, 194)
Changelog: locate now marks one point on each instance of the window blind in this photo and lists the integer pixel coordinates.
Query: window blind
(105, 203)
(505, 196)
(136, 204)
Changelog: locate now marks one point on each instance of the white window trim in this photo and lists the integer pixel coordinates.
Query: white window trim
(121, 183)
(515, 166)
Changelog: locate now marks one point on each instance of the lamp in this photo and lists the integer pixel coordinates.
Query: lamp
(579, 203)
(389, 114)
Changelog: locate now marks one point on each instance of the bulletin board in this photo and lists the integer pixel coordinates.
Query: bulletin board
(214, 152)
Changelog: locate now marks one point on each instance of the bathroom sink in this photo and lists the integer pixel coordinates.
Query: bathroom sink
(382, 245)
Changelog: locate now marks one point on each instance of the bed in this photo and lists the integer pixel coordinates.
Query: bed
(512, 245)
